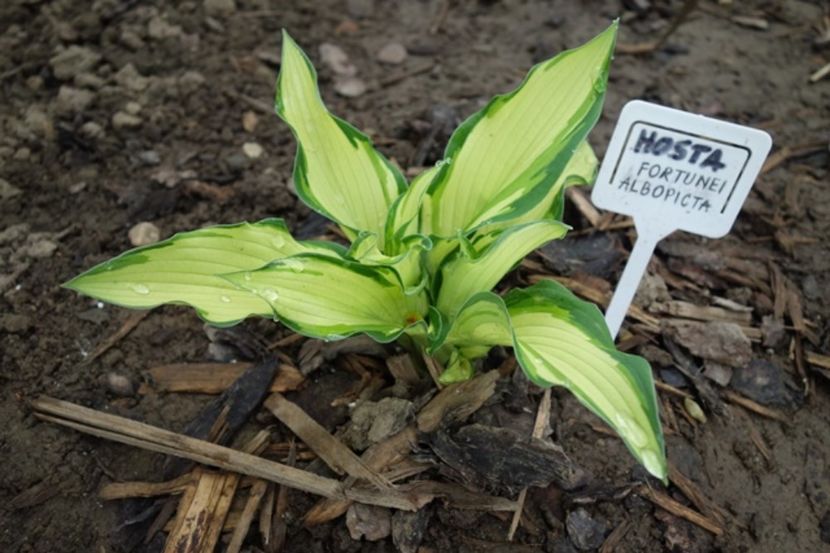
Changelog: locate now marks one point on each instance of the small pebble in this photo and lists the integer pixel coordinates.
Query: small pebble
(144, 233)
(218, 8)
(7, 190)
(393, 53)
(350, 87)
(336, 59)
(252, 150)
(120, 385)
(92, 130)
(133, 108)
(122, 120)
(149, 157)
(249, 121)
(72, 100)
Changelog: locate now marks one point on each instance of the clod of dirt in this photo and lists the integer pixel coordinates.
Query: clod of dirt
(765, 382)
(38, 245)
(160, 29)
(369, 521)
(14, 323)
(374, 421)
(92, 130)
(336, 59)
(73, 60)
(408, 529)
(360, 8)
(350, 87)
(190, 82)
(595, 254)
(717, 372)
(718, 341)
(144, 233)
(585, 531)
(8, 191)
(504, 459)
(71, 100)
(773, 332)
(219, 8)
(36, 125)
(129, 78)
(393, 53)
(652, 289)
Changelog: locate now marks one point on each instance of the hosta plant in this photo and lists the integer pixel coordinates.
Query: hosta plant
(423, 257)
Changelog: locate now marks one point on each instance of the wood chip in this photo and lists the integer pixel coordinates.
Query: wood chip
(688, 310)
(756, 407)
(696, 496)
(121, 490)
(211, 378)
(337, 456)
(242, 526)
(679, 510)
(615, 537)
(452, 404)
(202, 513)
(539, 425)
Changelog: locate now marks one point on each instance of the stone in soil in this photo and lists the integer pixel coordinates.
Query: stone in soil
(144, 233)
(368, 521)
(14, 323)
(159, 29)
(8, 191)
(75, 59)
(219, 8)
(71, 101)
(350, 87)
(374, 421)
(336, 59)
(718, 341)
(129, 77)
(122, 120)
(393, 53)
(252, 150)
(585, 531)
(119, 384)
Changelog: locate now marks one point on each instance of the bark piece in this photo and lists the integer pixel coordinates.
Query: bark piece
(202, 513)
(212, 378)
(719, 341)
(505, 459)
(337, 456)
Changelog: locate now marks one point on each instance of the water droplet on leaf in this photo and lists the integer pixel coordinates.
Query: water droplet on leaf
(225, 299)
(294, 264)
(270, 294)
(140, 289)
(278, 241)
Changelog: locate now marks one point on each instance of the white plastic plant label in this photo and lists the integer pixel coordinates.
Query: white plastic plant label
(673, 170)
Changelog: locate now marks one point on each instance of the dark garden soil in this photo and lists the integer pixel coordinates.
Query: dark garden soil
(143, 118)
